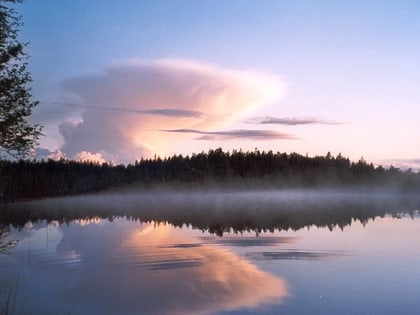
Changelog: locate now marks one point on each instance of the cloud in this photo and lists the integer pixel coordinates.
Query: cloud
(125, 106)
(45, 154)
(404, 164)
(90, 157)
(159, 111)
(290, 121)
(234, 134)
(42, 153)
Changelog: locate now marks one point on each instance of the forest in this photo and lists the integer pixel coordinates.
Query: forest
(200, 211)
(33, 179)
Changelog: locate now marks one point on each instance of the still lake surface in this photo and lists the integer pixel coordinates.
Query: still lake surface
(352, 259)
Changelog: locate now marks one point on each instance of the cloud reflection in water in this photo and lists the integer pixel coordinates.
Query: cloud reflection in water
(128, 268)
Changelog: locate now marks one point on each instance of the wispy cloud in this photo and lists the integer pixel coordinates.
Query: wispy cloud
(170, 112)
(290, 121)
(234, 134)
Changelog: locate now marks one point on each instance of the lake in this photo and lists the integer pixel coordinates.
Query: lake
(264, 252)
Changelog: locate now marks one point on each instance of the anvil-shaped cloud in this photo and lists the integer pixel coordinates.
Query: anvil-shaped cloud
(126, 106)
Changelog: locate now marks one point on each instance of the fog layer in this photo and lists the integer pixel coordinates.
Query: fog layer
(221, 211)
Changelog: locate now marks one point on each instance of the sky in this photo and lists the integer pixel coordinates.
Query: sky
(122, 80)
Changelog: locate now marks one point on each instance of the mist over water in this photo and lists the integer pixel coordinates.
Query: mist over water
(220, 211)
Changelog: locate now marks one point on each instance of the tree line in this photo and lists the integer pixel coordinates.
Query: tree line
(29, 179)
(206, 213)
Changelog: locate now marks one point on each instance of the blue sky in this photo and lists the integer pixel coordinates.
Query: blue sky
(349, 67)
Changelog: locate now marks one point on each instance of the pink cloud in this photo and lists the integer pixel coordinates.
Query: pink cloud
(90, 157)
(126, 106)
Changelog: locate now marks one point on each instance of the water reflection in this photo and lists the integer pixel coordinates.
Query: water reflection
(294, 255)
(220, 212)
(5, 241)
(102, 263)
(122, 267)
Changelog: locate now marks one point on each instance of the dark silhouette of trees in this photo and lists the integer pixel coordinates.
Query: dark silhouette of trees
(216, 212)
(17, 135)
(37, 179)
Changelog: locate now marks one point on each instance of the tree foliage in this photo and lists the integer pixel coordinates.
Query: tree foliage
(37, 179)
(17, 135)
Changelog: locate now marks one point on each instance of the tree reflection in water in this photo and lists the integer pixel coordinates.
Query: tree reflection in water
(219, 212)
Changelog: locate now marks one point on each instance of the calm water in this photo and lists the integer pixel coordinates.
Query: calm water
(124, 266)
